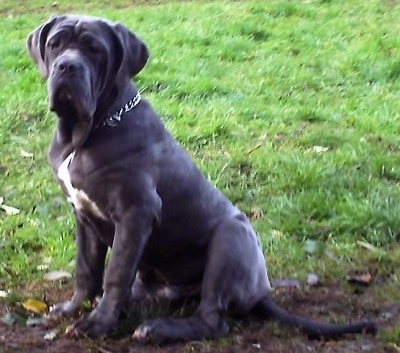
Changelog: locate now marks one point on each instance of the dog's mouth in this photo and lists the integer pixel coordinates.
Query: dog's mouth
(64, 104)
(64, 96)
(75, 116)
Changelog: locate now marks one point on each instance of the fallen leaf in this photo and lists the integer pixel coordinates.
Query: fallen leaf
(368, 246)
(280, 137)
(313, 246)
(36, 321)
(320, 149)
(45, 264)
(13, 318)
(35, 306)
(57, 275)
(312, 279)
(9, 210)
(256, 213)
(26, 154)
(8, 319)
(280, 283)
(42, 267)
(50, 336)
(276, 233)
(3, 294)
(361, 279)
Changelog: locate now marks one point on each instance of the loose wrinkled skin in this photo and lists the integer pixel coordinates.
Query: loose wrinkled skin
(138, 193)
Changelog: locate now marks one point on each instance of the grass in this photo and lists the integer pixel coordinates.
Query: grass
(291, 108)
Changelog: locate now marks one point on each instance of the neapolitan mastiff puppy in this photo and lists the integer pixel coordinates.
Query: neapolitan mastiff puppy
(134, 190)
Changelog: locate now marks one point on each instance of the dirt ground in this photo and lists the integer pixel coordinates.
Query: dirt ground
(328, 303)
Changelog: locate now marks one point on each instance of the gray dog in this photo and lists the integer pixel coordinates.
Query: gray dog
(134, 190)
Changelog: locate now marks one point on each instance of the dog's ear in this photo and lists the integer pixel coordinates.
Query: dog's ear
(134, 53)
(36, 44)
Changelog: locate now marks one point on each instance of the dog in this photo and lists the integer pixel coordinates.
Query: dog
(135, 191)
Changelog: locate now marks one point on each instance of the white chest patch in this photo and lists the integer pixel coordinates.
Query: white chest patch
(75, 196)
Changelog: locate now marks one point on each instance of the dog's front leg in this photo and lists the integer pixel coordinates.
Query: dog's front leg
(90, 260)
(132, 230)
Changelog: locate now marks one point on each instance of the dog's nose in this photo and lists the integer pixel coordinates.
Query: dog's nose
(67, 66)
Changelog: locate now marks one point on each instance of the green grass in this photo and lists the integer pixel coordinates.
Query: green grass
(250, 89)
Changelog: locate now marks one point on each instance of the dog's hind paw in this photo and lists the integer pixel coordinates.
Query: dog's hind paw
(142, 333)
(152, 331)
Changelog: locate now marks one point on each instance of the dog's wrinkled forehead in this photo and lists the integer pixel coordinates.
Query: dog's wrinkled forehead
(77, 24)
(81, 29)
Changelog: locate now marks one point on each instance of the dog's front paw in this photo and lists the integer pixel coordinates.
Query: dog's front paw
(64, 309)
(150, 331)
(94, 325)
(69, 307)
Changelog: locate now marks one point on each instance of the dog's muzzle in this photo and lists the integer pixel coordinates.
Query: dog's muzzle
(69, 86)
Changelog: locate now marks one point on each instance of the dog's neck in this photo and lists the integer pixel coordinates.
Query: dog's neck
(72, 136)
(112, 107)
(115, 118)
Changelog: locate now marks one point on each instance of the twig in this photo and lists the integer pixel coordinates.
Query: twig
(256, 147)
(103, 350)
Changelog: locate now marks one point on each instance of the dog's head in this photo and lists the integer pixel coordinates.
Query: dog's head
(86, 62)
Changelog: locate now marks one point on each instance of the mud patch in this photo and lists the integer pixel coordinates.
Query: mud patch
(323, 303)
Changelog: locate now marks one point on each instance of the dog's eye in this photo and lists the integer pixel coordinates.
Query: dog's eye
(90, 44)
(54, 43)
(93, 48)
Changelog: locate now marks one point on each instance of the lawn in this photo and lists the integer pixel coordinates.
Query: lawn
(290, 107)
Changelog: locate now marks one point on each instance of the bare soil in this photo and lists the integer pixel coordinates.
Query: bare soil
(327, 303)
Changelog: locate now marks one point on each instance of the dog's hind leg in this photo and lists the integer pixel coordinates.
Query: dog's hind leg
(234, 277)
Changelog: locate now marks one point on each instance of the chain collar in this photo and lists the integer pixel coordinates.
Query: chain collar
(115, 118)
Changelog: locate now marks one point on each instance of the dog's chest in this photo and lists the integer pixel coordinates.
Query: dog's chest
(77, 197)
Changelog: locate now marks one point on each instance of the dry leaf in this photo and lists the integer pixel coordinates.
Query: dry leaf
(36, 321)
(280, 137)
(35, 306)
(367, 245)
(45, 264)
(320, 149)
(8, 319)
(50, 336)
(42, 267)
(256, 213)
(26, 154)
(361, 279)
(276, 233)
(313, 247)
(57, 275)
(9, 210)
(13, 318)
(312, 279)
(282, 283)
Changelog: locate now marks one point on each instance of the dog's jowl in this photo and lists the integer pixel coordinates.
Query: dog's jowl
(135, 191)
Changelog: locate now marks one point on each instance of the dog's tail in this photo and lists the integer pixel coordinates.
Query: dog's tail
(267, 308)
